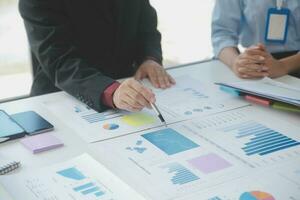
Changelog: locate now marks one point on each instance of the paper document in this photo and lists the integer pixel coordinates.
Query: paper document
(191, 98)
(187, 158)
(188, 99)
(81, 178)
(93, 126)
(267, 185)
(4, 194)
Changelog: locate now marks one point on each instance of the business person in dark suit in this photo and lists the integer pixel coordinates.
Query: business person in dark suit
(81, 47)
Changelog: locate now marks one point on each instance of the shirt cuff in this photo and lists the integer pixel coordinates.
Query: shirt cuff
(219, 43)
(107, 95)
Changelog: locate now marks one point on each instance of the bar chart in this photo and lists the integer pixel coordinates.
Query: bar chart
(84, 186)
(71, 173)
(180, 174)
(95, 117)
(263, 140)
(89, 188)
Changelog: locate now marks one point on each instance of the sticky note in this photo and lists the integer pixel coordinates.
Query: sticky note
(138, 119)
(42, 142)
(258, 100)
(286, 107)
(230, 90)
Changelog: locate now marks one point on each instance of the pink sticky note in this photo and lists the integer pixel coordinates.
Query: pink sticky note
(41, 142)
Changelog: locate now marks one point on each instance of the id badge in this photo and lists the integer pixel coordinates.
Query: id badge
(277, 25)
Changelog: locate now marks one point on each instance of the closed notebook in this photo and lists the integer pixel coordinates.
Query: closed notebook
(7, 166)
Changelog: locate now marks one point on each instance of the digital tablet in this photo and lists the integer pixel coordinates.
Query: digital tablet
(32, 122)
(9, 128)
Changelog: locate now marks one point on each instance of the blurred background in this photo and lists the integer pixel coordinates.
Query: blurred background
(184, 24)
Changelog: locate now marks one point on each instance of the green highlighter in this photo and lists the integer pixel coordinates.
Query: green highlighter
(286, 107)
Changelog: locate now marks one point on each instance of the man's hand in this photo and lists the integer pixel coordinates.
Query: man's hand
(132, 96)
(156, 74)
(251, 63)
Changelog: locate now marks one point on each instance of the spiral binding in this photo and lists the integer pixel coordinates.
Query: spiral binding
(9, 167)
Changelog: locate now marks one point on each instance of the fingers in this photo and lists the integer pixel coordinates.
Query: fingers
(158, 78)
(145, 93)
(253, 58)
(137, 99)
(261, 46)
(171, 79)
(163, 79)
(133, 96)
(138, 76)
(255, 75)
(157, 75)
(256, 53)
(124, 105)
(251, 74)
(153, 78)
(247, 72)
(257, 50)
(248, 65)
(244, 63)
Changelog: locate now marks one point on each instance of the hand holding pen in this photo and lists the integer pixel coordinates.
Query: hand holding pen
(156, 110)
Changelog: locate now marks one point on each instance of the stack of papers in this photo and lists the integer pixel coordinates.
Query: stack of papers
(268, 88)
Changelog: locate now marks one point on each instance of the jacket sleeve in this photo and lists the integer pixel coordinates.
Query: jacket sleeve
(149, 42)
(50, 38)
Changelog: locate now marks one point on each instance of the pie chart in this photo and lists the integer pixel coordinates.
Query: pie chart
(256, 195)
(110, 126)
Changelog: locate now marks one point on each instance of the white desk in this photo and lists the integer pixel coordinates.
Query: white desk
(212, 71)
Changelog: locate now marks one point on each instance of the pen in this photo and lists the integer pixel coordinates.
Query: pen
(158, 114)
(3, 139)
(155, 108)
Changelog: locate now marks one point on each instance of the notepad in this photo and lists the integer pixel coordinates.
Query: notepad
(42, 142)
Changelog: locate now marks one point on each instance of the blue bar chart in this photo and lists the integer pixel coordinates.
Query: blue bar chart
(89, 188)
(84, 187)
(263, 140)
(91, 116)
(94, 117)
(181, 175)
(98, 117)
(71, 173)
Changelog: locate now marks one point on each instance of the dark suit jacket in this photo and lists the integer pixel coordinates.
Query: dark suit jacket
(82, 46)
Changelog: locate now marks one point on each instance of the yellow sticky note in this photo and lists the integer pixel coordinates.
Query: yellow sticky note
(138, 119)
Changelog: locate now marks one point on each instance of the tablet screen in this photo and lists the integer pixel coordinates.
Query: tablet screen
(32, 122)
(8, 127)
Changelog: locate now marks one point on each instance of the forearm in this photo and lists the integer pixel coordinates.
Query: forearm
(228, 55)
(292, 63)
